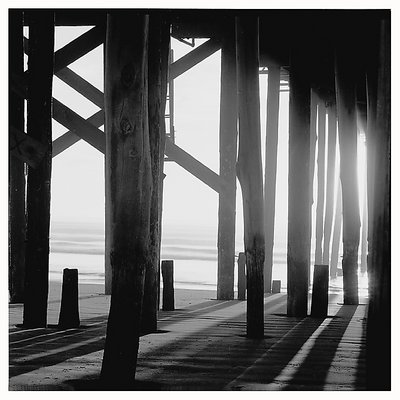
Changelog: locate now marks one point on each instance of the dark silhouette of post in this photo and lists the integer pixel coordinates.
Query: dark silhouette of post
(271, 156)
(319, 219)
(131, 185)
(16, 221)
(379, 259)
(319, 299)
(167, 271)
(345, 81)
(276, 286)
(69, 311)
(300, 184)
(241, 276)
(39, 126)
(227, 169)
(249, 169)
(159, 38)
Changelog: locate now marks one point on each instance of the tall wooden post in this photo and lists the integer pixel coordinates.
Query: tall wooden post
(319, 219)
(227, 168)
(379, 311)
(249, 169)
(158, 47)
(337, 231)
(40, 75)
(299, 202)
(271, 156)
(346, 107)
(17, 221)
(128, 150)
(330, 181)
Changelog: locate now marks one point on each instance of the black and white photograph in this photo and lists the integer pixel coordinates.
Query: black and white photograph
(198, 196)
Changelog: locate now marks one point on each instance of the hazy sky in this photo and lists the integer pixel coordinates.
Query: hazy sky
(78, 173)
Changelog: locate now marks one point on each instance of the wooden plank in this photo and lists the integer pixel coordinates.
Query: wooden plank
(319, 219)
(249, 169)
(345, 79)
(79, 125)
(158, 66)
(195, 167)
(227, 168)
(40, 64)
(16, 168)
(26, 148)
(69, 138)
(129, 166)
(191, 59)
(300, 184)
(330, 181)
(271, 158)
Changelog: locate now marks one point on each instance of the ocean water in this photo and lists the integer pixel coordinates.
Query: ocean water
(194, 251)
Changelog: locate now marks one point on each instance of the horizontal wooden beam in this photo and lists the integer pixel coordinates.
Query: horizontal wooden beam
(193, 166)
(24, 147)
(191, 59)
(79, 47)
(69, 138)
(79, 126)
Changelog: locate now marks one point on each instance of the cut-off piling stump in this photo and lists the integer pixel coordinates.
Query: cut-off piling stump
(241, 276)
(167, 271)
(319, 305)
(69, 311)
(276, 286)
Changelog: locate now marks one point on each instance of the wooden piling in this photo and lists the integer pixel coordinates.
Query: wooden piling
(158, 46)
(271, 156)
(241, 262)
(330, 181)
(319, 218)
(319, 302)
(129, 166)
(299, 201)
(16, 221)
(167, 271)
(345, 82)
(227, 167)
(249, 169)
(69, 311)
(276, 286)
(337, 232)
(39, 101)
(379, 351)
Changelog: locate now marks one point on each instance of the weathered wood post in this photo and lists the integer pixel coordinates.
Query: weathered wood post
(319, 302)
(69, 311)
(379, 261)
(167, 271)
(319, 219)
(337, 232)
(128, 152)
(158, 66)
(40, 78)
(241, 262)
(299, 201)
(249, 169)
(276, 286)
(330, 181)
(345, 82)
(271, 156)
(16, 221)
(227, 167)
